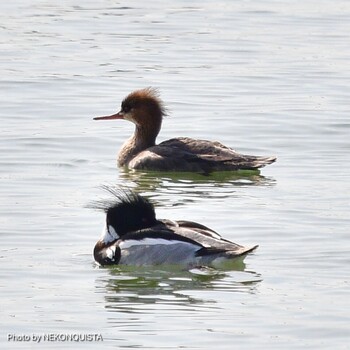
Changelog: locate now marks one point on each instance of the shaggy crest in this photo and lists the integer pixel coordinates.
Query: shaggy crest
(148, 96)
(126, 210)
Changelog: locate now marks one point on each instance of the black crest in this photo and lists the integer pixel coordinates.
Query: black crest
(126, 211)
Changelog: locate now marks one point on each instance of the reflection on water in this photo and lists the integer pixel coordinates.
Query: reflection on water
(128, 289)
(191, 186)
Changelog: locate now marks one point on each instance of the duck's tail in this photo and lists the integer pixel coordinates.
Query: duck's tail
(260, 162)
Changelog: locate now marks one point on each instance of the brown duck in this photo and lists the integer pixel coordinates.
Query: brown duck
(145, 109)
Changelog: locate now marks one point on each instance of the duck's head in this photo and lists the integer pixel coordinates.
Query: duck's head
(143, 107)
(126, 212)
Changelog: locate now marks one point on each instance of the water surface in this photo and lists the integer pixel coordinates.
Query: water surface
(263, 77)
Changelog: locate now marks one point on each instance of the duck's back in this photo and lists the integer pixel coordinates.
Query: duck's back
(187, 154)
(177, 242)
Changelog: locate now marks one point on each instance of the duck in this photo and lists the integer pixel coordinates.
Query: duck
(146, 110)
(132, 235)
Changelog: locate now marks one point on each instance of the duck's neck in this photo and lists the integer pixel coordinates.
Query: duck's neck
(142, 139)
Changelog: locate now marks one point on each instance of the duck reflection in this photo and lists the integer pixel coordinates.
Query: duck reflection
(133, 290)
(191, 186)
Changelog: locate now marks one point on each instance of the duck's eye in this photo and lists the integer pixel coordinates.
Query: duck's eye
(126, 109)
